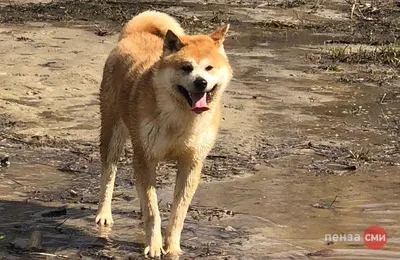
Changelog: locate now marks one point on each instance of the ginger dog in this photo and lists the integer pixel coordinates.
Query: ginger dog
(162, 88)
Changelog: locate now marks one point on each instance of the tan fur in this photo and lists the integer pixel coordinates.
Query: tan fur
(139, 99)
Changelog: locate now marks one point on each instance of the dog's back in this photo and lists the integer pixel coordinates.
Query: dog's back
(152, 22)
(139, 48)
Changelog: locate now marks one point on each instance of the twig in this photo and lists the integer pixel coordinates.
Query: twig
(14, 139)
(216, 156)
(317, 3)
(62, 223)
(352, 10)
(383, 99)
(16, 182)
(48, 254)
(262, 5)
(385, 117)
(330, 206)
(362, 15)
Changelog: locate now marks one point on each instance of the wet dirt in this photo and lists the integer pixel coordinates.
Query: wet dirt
(302, 152)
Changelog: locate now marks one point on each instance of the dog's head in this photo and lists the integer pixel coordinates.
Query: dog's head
(194, 70)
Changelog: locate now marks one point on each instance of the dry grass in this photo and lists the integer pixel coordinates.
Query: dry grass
(375, 21)
(379, 76)
(366, 10)
(386, 55)
(363, 154)
(291, 3)
(284, 3)
(379, 65)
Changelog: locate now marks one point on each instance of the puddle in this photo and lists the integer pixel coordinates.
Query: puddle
(270, 213)
(278, 203)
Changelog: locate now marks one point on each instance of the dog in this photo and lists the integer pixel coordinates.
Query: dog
(162, 89)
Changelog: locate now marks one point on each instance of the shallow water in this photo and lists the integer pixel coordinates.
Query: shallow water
(273, 216)
(276, 205)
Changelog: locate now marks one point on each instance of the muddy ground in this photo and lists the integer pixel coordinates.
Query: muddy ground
(309, 142)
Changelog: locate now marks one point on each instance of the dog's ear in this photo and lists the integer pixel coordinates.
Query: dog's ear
(219, 34)
(172, 43)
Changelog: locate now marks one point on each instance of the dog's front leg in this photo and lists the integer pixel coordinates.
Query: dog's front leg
(145, 176)
(188, 178)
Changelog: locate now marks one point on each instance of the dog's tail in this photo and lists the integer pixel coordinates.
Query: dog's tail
(152, 22)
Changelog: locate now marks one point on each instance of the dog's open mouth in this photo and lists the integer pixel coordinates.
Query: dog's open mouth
(197, 101)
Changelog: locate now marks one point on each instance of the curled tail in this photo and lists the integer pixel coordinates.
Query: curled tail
(152, 22)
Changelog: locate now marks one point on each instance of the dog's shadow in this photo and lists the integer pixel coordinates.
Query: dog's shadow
(70, 232)
(62, 231)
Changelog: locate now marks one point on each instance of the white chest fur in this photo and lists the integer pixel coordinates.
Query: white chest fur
(168, 136)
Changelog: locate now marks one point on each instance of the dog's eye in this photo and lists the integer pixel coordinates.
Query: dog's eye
(208, 68)
(187, 67)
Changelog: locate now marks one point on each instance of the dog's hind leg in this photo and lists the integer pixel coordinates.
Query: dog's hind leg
(112, 140)
(188, 178)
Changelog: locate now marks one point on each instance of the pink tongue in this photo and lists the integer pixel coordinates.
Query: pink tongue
(199, 102)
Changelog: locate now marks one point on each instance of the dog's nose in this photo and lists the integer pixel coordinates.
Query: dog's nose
(200, 83)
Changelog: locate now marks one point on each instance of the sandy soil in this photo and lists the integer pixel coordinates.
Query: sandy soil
(303, 123)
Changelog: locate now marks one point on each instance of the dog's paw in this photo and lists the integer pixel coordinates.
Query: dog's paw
(104, 218)
(173, 251)
(154, 251)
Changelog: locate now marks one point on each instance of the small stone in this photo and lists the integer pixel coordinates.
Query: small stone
(229, 212)
(4, 161)
(20, 243)
(257, 167)
(230, 229)
(73, 193)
